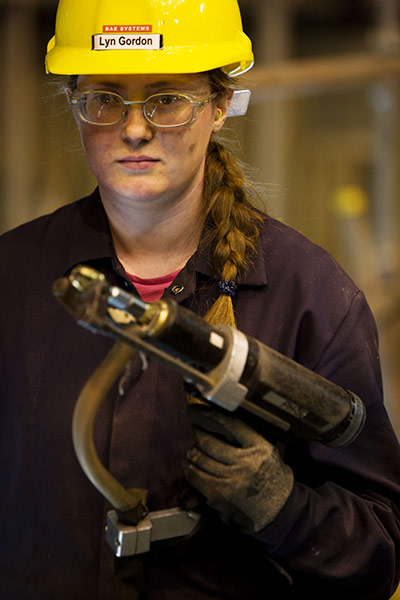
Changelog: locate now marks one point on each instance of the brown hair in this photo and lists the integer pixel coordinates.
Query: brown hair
(232, 222)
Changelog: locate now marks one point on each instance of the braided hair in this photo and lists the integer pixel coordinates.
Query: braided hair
(232, 222)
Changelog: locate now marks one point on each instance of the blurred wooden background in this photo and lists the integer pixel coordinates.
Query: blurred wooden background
(321, 136)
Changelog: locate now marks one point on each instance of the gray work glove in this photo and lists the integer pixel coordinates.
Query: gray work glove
(242, 476)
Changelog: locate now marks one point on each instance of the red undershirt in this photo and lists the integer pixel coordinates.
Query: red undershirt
(152, 289)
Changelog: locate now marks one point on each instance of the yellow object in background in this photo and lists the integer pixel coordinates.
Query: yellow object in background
(350, 201)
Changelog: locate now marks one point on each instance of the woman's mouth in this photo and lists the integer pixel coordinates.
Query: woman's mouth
(138, 163)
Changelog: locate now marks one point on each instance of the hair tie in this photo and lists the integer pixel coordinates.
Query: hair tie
(227, 288)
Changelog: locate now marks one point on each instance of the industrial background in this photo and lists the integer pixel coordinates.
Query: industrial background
(321, 138)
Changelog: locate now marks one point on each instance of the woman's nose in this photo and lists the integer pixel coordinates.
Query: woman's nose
(136, 127)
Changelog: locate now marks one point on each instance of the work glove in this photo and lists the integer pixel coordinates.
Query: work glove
(239, 472)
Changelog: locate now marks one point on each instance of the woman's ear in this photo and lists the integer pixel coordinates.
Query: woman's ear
(221, 112)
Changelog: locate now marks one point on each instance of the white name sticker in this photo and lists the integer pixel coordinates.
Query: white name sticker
(127, 41)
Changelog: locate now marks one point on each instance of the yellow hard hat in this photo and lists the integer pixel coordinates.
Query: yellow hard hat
(148, 36)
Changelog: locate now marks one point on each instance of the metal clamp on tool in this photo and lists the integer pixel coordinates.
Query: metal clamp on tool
(127, 540)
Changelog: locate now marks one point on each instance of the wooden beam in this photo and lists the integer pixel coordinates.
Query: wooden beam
(318, 75)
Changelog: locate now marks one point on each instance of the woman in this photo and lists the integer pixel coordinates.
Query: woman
(150, 84)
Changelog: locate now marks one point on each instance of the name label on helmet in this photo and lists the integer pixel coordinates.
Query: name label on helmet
(128, 41)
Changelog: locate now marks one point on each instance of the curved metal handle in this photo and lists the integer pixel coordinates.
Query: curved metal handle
(89, 401)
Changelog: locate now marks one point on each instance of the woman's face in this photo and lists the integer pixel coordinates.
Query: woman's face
(137, 161)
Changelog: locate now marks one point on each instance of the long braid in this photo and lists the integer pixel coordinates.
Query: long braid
(232, 229)
(233, 225)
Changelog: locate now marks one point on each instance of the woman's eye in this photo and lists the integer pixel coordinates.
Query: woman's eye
(168, 99)
(105, 98)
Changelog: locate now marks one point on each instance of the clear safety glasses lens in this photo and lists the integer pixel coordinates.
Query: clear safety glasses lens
(166, 110)
(163, 110)
(100, 108)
